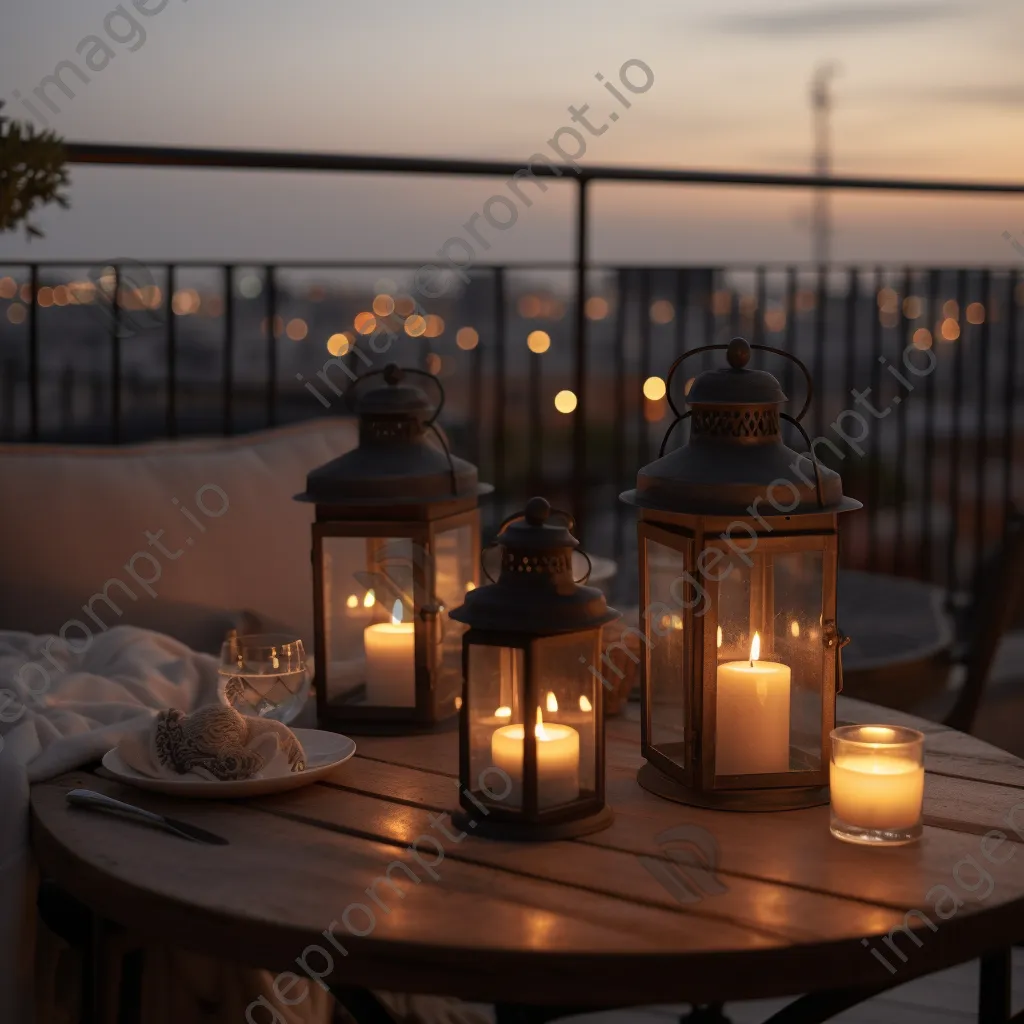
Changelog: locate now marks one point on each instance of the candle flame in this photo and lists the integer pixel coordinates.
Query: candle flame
(551, 703)
(458, 703)
(470, 586)
(370, 599)
(274, 660)
(755, 649)
(503, 712)
(538, 729)
(719, 636)
(396, 614)
(585, 704)
(352, 601)
(794, 628)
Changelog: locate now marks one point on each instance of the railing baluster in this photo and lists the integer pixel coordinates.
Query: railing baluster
(229, 352)
(901, 436)
(33, 354)
(643, 369)
(682, 310)
(927, 474)
(535, 428)
(619, 443)
(500, 395)
(171, 427)
(1010, 391)
(981, 425)
(579, 423)
(270, 283)
(952, 557)
(875, 468)
(476, 401)
(115, 360)
(820, 323)
(760, 300)
(789, 341)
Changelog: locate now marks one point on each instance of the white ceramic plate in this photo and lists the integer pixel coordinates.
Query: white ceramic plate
(324, 752)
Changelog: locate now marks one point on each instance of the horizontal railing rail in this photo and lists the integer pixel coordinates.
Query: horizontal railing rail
(937, 470)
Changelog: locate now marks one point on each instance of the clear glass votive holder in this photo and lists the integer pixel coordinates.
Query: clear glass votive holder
(876, 778)
(264, 675)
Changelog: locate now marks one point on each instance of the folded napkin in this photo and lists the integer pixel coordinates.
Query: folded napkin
(213, 743)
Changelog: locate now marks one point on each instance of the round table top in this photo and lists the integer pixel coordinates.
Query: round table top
(615, 918)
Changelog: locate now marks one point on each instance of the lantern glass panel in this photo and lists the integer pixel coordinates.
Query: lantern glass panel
(369, 619)
(567, 696)
(494, 702)
(665, 623)
(454, 572)
(770, 662)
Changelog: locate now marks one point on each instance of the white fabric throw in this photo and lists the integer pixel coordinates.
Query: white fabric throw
(60, 708)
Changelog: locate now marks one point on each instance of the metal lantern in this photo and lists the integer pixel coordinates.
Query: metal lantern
(531, 759)
(738, 565)
(396, 544)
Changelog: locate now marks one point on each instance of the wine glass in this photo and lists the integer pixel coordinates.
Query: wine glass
(264, 674)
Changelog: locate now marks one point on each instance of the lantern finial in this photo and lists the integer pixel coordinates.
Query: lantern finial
(537, 511)
(738, 353)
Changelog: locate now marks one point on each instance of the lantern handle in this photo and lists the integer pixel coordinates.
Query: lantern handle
(483, 567)
(590, 568)
(668, 433)
(393, 373)
(570, 523)
(719, 348)
(819, 490)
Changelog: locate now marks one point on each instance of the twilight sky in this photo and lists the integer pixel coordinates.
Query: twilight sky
(927, 88)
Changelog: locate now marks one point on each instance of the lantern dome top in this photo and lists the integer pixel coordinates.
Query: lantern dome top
(535, 591)
(735, 457)
(736, 384)
(395, 461)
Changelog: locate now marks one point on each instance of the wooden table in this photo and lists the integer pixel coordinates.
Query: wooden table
(786, 909)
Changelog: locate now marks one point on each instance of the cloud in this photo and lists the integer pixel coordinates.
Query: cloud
(848, 16)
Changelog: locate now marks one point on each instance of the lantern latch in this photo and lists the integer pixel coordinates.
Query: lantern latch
(835, 641)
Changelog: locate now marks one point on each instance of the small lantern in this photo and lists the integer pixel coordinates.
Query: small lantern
(531, 750)
(738, 564)
(396, 545)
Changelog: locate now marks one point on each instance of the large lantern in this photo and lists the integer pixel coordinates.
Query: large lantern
(531, 759)
(738, 564)
(396, 544)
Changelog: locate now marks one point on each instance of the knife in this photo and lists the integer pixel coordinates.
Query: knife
(91, 800)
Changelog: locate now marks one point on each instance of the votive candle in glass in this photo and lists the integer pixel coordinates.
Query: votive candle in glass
(876, 778)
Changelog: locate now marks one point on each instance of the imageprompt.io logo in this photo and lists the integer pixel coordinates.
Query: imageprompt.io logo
(689, 874)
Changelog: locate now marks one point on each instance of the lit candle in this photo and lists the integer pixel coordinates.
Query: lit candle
(876, 778)
(391, 661)
(752, 716)
(580, 716)
(558, 761)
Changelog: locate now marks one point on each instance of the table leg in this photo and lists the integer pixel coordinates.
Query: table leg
(994, 988)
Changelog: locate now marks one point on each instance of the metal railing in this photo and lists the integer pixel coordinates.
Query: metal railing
(936, 471)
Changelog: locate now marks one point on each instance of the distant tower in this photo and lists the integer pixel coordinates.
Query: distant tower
(821, 105)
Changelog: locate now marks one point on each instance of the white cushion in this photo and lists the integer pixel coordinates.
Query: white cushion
(73, 523)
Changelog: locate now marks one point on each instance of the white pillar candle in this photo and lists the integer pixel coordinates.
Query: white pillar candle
(391, 661)
(558, 761)
(752, 716)
(876, 790)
